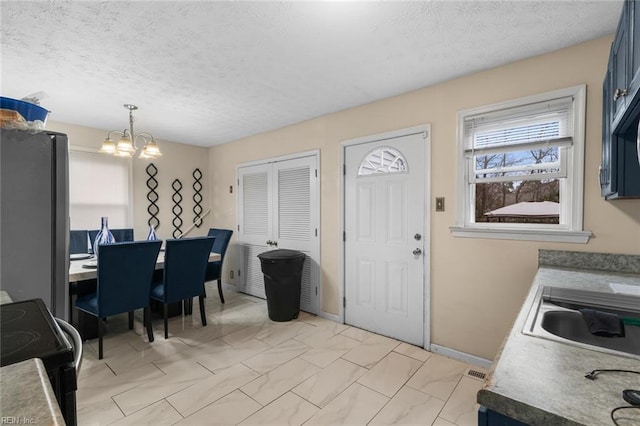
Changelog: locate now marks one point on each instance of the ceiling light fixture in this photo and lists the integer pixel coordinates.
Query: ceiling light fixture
(126, 146)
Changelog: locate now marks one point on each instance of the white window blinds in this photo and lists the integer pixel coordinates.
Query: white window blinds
(99, 185)
(520, 143)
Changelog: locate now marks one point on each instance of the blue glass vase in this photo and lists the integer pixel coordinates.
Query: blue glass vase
(152, 236)
(104, 236)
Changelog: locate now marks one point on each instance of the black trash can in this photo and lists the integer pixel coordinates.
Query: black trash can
(282, 271)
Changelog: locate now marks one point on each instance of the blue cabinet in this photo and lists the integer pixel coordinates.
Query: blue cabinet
(620, 168)
(487, 417)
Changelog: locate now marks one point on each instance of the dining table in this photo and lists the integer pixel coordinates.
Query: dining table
(86, 268)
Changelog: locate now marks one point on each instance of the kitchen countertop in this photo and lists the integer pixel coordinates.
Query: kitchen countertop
(541, 382)
(26, 396)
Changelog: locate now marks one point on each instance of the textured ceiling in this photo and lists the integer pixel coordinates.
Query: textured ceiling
(209, 72)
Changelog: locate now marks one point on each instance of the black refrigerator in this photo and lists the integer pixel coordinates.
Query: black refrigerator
(34, 217)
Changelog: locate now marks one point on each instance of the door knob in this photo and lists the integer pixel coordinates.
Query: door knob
(417, 237)
(417, 252)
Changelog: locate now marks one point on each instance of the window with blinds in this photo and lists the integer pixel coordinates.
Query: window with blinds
(520, 168)
(520, 143)
(99, 185)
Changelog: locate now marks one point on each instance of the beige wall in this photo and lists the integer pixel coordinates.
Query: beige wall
(178, 162)
(477, 285)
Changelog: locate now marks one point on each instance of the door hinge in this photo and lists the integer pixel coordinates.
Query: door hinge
(316, 290)
(316, 172)
(238, 181)
(344, 236)
(344, 302)
(344, 169)
(316, 232)
(238, 228)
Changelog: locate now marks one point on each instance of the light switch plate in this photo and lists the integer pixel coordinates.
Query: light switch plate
(439, 204)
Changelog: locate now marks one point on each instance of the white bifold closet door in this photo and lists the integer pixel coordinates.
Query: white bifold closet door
(278, 208)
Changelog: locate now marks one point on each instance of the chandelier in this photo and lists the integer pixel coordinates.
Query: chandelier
(127, 145)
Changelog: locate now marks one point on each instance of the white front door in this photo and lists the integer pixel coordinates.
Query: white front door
(278, 208)
(384, 236)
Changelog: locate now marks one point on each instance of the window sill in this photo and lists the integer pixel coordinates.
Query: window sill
(576, 237)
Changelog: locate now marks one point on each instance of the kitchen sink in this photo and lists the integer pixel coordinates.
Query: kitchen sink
(554, 316)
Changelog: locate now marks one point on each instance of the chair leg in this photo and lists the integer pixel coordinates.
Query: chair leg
(100, 326)
(203, 317)
(220, 290)
(147, 324)
(130, 320)
(166, 322)
(187, 306)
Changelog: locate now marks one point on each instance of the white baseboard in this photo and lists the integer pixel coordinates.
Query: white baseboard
(330, 317)
(462, 356)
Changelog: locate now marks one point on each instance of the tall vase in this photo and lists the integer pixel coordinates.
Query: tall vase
(152, 236)
(104, 236)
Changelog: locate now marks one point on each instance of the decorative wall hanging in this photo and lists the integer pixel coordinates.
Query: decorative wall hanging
(197, 198)
(177, 209)
(152, 196)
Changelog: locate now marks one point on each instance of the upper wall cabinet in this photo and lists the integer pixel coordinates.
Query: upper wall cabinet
(620, 168)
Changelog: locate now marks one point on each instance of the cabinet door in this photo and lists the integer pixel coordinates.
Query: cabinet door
(607, 185)
(619, 68)
(634, 76)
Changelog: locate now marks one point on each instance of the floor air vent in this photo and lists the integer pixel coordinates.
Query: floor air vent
(476, 374)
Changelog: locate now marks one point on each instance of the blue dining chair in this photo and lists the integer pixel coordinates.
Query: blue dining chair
(185, 262)
(78, 241)
(125, 271)
(220, 245)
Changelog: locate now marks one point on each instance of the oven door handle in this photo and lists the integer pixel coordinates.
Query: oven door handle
(638, 143)
(76, 342)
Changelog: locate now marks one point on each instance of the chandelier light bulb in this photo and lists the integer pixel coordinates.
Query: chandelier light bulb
(108, 147)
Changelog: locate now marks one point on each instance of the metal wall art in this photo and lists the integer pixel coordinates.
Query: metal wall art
(152, 196)
(177, 209)
(197, 198)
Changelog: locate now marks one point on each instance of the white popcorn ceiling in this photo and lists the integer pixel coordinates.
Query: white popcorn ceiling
(210, 72)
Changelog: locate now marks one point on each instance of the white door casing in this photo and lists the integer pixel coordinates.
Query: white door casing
(385, 239)
(278, 207)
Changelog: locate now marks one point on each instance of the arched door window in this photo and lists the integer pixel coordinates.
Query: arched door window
(381, 161)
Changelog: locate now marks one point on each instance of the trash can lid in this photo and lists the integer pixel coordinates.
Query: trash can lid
(281, 255)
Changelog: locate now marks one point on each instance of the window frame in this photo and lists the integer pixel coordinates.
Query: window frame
(570, 228)
(129, 215)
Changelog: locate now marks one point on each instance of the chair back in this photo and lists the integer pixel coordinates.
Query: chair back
(121, 235)
(78, 241)
(185, 262)
(223, 236)
(125, 271)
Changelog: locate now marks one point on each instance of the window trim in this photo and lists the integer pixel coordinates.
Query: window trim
(570, 230)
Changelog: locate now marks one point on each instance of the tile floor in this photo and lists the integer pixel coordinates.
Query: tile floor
(244, 369)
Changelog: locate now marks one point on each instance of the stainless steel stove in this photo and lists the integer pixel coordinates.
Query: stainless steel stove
(28, 330)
